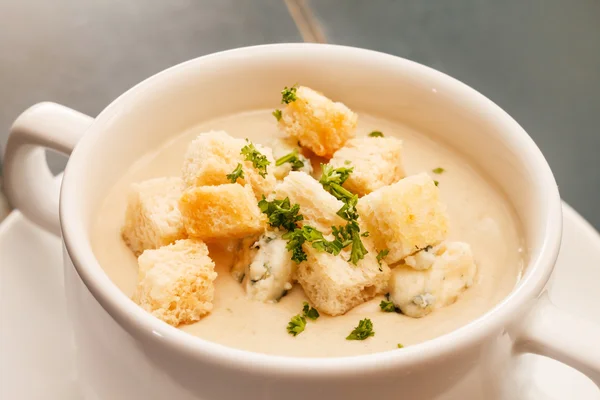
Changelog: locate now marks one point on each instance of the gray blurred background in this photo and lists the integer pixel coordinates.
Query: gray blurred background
(538, 59)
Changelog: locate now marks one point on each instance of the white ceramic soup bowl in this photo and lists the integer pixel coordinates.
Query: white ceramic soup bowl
(125, 353)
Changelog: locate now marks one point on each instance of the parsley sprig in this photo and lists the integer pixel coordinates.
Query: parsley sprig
(238, 173)
(296, 325)
(332, 180)
(281, 213)
(307, 233)
(363, 331)
(288, 95)
(310, 312)
(259, 160)
(277, 114)
(292, 158)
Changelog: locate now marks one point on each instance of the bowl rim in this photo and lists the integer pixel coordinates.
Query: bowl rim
(142, 325)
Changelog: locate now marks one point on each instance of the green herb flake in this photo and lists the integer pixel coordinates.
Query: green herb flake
(363, 331)
(259, 160)
(381, 255)
(288, 95)
(293, 158)
(436, 183)
(296, 325)
(387, 306)
(277, 114)
(438, 170)
(375, 134)
(238, 173)
(310, 312)
(281, 213)
(400, 345)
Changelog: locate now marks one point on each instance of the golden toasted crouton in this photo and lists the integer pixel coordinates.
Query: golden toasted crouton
(334, 285)
(219, 212)
(213, 155)
(318, 123)
(443, 273)
(152, 218)
(316, 205)
(404, 217)
(176, 282)
(377, 162)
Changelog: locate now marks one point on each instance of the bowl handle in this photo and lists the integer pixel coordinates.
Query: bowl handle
(28, 182)
(552, 332)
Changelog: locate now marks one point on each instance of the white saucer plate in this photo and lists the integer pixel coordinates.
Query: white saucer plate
(37, 352)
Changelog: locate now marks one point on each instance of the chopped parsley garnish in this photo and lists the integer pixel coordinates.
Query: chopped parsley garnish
(238, 173)
(281, 213)
(292, 158)
(309, 234)
(277, 114)
(387, 306)
(438, 170)
(400, 345)
(436, 183)
(375, 134)
(363, 331)
(381, 255)
(259, 160)
(296, 325)
(288, 95)
(310, 312)
(332, 180)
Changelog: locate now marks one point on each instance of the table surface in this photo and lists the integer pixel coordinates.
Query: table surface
(537, 59)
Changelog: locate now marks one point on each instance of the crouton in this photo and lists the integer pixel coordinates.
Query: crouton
(152, 217)
(318, 123)
(316, 205)
(377, 162)
(219, 212)
(214, 155)
(439, 279)
(176, 282)
(334, 285)
(283, 147)
(404, 217)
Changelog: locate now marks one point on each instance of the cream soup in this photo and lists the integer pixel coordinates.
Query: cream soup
(479, 215)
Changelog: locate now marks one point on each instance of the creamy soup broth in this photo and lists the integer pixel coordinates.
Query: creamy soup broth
(479, 215)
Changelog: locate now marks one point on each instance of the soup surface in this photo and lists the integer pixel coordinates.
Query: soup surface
(479, 215)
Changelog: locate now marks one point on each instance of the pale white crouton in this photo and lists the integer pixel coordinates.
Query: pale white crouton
(318, 123)
(377, 162)
(219, 212)
(405, 217)
(334, 285)
(269, 275)
(417, 292)
(316, 205)
(283, 147)
(152, 218)
(176, 282)
(213, 155)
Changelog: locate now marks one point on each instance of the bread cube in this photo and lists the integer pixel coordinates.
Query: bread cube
(318, 123)
(213, 155)
(417, 292)
(284, 146)
(318, 207)
(334, 285)
(377, 162)
(152, 217)
(176, 282)
(405, 217)
(221, 212)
